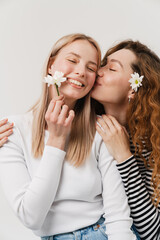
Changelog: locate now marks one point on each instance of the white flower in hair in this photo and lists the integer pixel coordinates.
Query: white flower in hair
(56, 79)
(136, 81)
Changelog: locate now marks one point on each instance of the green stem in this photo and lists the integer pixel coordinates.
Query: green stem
(57, 89)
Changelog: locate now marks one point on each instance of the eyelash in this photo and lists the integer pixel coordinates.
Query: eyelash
(113, 70)
(72, 60)
(92, 70)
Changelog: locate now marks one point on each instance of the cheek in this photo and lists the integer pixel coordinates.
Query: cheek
(113, 81)
(61, 66)
(91, 79)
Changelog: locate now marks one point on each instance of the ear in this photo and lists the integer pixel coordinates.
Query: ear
(50, 70)
(131, 94)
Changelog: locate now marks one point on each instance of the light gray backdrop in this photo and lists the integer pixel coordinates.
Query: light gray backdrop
(28, 29)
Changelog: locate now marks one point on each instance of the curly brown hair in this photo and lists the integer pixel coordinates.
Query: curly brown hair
(143, 116)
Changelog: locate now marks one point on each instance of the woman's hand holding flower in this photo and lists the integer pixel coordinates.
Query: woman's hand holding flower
(115, 137)
(59, 120)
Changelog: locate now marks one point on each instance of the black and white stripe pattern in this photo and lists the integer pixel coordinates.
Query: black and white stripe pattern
(137, 178)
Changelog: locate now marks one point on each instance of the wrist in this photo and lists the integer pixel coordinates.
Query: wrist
(56, 142)
(123, 157)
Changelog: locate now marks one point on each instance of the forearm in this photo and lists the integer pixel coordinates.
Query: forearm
(145, 215)
(31, 199)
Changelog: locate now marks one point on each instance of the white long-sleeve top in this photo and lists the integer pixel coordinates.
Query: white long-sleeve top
(50, 196)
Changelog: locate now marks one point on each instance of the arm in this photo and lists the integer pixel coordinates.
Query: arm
(5, 131)
(117, 213)
(145, 215)
(31, 199)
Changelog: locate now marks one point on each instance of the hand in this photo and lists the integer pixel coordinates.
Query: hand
(5, 131)
(59, 120)
(115, 137)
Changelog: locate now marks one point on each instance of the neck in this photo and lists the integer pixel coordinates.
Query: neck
(118, 111)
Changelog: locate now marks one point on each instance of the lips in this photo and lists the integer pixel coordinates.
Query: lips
(76, 82)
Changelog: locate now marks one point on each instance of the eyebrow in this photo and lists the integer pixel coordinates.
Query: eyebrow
(117, 61)
(77, 55)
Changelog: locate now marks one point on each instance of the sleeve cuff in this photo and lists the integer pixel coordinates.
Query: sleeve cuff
(126, 163)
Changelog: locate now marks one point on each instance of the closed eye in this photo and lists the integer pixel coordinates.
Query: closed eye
(72, 60)
(111, 69)
(92, 70)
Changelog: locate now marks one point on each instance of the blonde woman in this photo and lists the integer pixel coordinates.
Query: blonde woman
(133, 102)
(55, 170)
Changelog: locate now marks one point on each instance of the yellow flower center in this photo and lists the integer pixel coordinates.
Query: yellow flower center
(136, 81)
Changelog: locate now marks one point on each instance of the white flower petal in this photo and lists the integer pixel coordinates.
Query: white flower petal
(56, 79)
(58, 84)
(48, 80)
(135, 81)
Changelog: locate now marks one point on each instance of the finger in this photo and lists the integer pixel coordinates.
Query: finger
(4, 140)
(109, 123)
(56, 111)
(6, 127)
(102, 124)
(114, 121)
(4, 121)
(6, 134)
(70, 118)
(58, 98)
(63, 114)
(50, 109)
(100, 130)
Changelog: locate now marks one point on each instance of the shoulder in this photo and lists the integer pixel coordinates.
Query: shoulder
(22, 125)
(101, 149)
(97, 140)
(21, 120)
(21, 131)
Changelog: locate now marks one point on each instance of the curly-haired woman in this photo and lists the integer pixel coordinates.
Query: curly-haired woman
(128, 87)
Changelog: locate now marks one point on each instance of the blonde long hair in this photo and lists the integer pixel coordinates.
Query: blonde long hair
(83, 126)
(143, 114)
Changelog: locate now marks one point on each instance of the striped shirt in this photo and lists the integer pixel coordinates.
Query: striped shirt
(136, 179)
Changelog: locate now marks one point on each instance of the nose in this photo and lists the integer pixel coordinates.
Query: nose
(100, 72)
(80, 70)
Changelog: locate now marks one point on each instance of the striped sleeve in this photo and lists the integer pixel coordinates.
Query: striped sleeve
(145, 215)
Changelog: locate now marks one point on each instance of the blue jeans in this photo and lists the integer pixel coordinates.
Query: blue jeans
(135, 232)
(93, 232)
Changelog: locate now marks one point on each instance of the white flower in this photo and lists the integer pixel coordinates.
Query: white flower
(136, 81)
(56, 79)
(49, 80)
